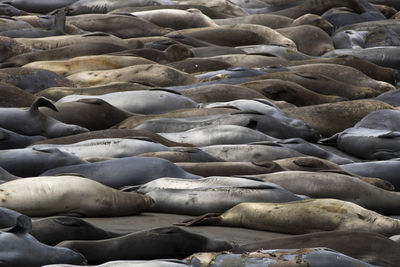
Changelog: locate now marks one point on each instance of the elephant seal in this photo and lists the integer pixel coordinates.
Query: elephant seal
(176, 19)
(206, 169)
(22, 248)
(142, 102)
(366, 143)
(56, 93)
(366, 246)
(338, 186)
(385, 169)
(316, 164)
(32, 122)
(183, 154)
(385, 119)
(281, 90)
(11, 218)
(10, 48)
(385, 56)
(349, 39)
(127, 171)
(123, 26)
(154, 74)
(32, 80)
(68, 51)
(168, 242)
(347, 75)
(10, 140)
(110, 133)
(53, 230)
(250, 61)
(27, 162)
(220, 93)
(218, 134)
(287, 257)
(250, 152)
(50, 197)
(201, 199)
(345, 114)
(9, 10)
(381, 36)
(391, 98)
(136, 263)
(193, 65)
(107, 147)
(14, 97)
(105, 6)
(41, 6)
(87, 63)
(87, 113)
(317, 83)
(300, 217)
(320, 43)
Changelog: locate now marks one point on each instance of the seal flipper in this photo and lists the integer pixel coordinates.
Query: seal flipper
(6, 176)
(58, 20)
(23, 225)
(206, 219)
(42, 102)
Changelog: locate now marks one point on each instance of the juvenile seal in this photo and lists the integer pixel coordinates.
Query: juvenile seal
(52, 197)
(300, 217)
(167, 242)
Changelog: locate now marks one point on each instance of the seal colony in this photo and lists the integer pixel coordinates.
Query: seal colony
(280, 116)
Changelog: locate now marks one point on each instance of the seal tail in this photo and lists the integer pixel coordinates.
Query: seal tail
(42, 102)
(206, 219)
(59, 20)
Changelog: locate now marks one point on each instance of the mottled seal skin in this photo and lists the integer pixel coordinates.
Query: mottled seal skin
(53, 230)
(338, 186)
(167, 242)
(93, 114)
(318, 43)
(32, 80)
(300, 217)
(345, 114)
(31, 122)
(110, 133)
(53, 197)
(10, 47)
(285, 257)
(86, 63)
(366, 246)
(22, 248)
(153, 74)
(126, 171)
(123, 26)
(56, 93)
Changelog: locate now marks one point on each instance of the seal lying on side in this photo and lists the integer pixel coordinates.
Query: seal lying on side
(366, 246)
(300, 217)
(51, 195)
(165, 243)
(53, 230)
(19, 248)
(321, 257)
(32, 122)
